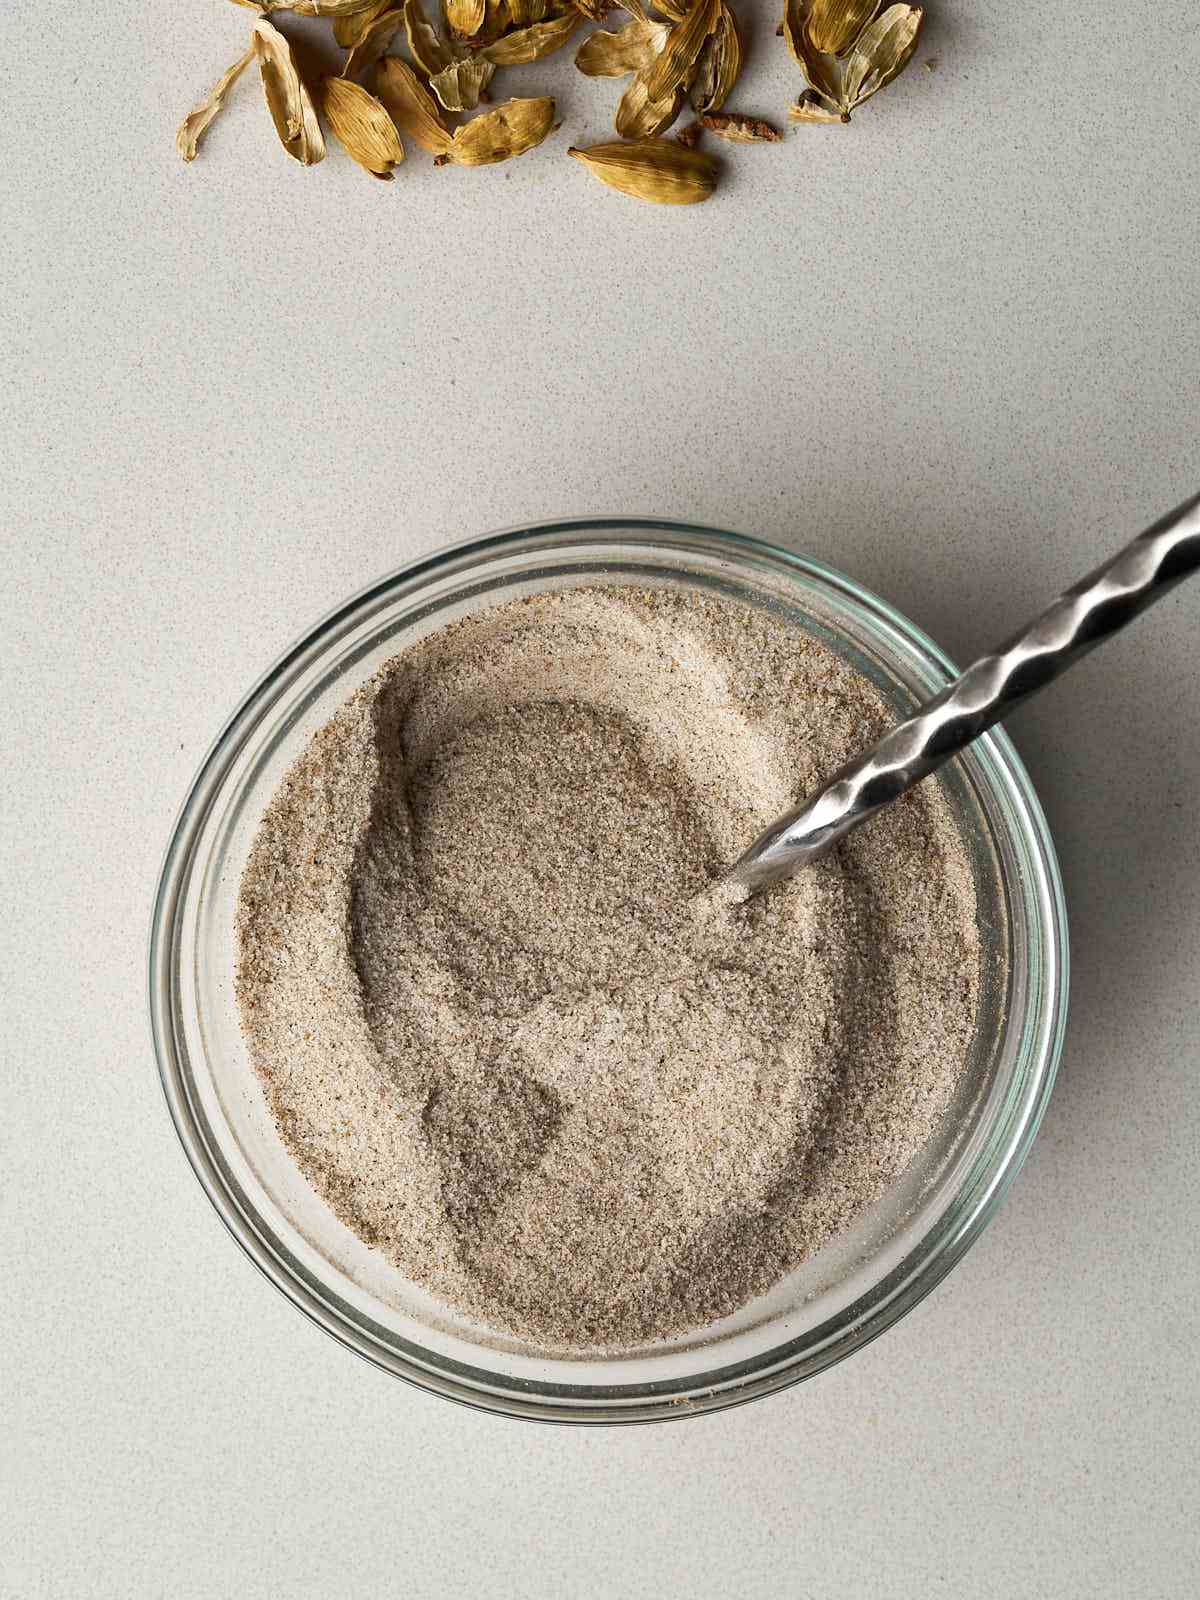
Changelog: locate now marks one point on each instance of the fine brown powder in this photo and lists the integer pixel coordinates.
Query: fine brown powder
(507, 1027)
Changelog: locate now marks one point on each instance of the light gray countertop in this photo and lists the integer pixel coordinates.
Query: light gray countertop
(954, 350)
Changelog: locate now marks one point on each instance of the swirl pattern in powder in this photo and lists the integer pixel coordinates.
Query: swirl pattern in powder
(506, 1027)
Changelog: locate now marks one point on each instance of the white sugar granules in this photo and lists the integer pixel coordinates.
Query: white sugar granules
(504, 1028)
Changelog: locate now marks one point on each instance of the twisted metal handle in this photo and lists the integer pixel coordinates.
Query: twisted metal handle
(1085, 616)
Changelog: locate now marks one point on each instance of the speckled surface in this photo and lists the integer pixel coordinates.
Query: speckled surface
(954, 350)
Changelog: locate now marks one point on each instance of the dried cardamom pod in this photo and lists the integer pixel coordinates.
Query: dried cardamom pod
(659, 170)
(822, 72)
(596, 10)
(719, 64)
(313, 8)
(522, 12)
(639, 117)
(675, 9)
(532, 43)
(881, 52)
(834, 25)
(429, 50)
(464, 17)
(411, 106)
(497, 20)
(672, 69)
(348, 30)
(290, 106)
(361, 126)
(631, 49)
(506, 131)
(194, 126)
(460, 85)
(373, 44)
(740, 129)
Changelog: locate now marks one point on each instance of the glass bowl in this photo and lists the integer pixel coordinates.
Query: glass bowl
(854, 1288)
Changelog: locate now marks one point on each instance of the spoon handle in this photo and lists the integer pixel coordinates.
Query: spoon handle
(1096, 608)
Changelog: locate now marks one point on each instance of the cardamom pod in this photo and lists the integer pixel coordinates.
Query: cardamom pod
(719, 64)
(306, 8)
(659, 170)
(411, 106)
(822, 72)
(740, 129)
(507, 130)
(834, 25)
(362, 126)
(460, 85)
(639, 117)
(881, 52)
(532, 43)
(631, 49)
(194, 126)
(288, 100)
(464, 17)
(679, 54)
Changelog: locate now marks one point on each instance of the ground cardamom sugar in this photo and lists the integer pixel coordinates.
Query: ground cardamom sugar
(506, 1028)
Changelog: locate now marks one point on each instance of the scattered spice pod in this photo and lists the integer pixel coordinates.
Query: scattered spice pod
(304, 8)
(196, 124)
(632, 48)
(411, 106)
(532, 43)
(662, 171)
(882, 51)
(362, 127)
(639, 117)
(681, 51)
(506, 131)
(289, 101)
(464, 17)
(867, 51)
(460, 86)
(833, 25)
(719, 64)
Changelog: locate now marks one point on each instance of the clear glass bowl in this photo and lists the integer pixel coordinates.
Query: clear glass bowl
(857, 1286)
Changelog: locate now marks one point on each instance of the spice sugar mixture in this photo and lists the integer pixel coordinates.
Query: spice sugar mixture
(506, 1026)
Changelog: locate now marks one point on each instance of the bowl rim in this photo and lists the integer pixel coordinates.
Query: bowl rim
(893, 1297)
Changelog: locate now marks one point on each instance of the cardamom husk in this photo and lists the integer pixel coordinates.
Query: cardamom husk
(289, 101)
(362, 127)
(194, 126)
(662, 171)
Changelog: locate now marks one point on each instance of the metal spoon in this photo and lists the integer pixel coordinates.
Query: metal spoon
(1096, 608)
